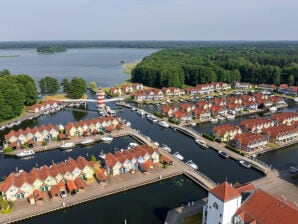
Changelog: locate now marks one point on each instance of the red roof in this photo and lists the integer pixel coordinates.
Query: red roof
(225, 192)
(166, 159)
(265, 208)
(100, 176)
(71, 186)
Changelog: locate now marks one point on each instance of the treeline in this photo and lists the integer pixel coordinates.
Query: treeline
(192, 66)
(146, 44)
(50, 49)
(16, 91)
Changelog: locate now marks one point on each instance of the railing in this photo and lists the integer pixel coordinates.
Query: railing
(260, 162)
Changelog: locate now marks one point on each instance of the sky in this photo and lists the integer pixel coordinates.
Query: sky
(148, 20)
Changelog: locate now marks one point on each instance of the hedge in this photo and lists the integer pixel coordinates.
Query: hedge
(234, 149)
(209, 137)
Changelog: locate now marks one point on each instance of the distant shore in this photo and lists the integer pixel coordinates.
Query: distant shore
(128, 67)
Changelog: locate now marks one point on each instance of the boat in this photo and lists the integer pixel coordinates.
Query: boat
(25, 153)
(46, 112)
(102, 155)
(107, 139)
(166, 148)
(17, 123)
(230, 117)
(272, 109)
(178, 155)
(163, 124)
(141, 112)
(133, 144)
(87, 142)
(10, 125)
(193, 124)
(68, 145)
(201, 143)
(192, 164)
(293, 170)
(152, 118)
(245, 164)
(1, 149)
(2, 128)
(156, 144)
(296, 100)
(221, 118)
(31, 118)
(128, 124)
(214, 120)
(224, 154)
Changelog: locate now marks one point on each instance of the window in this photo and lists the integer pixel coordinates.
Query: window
(220, 215)
(215, 205)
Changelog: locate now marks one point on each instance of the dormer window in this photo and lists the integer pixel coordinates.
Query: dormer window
(215, 205)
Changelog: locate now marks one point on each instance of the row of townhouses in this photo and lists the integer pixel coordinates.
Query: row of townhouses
(160, 94)
(47, 105)
(139, 157)
(22, 184)
(254, 134)
(50, 132)
(125, 89)
(204, 109)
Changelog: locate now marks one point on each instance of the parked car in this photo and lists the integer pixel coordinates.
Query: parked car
(63, 194)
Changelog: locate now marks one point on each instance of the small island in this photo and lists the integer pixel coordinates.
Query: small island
(50, 49)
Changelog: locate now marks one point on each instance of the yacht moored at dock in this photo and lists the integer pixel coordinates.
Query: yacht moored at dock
(192, 164)
(166, 148)
(87, 142)
(224, 154)
(245, 164)
(107, 139)
(178, 155)
(163, 124)
(68, 145)
(25, 153)
(201, 143)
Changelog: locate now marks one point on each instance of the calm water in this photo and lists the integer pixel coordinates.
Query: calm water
(101, 65)
(143, 205)
(146, 205)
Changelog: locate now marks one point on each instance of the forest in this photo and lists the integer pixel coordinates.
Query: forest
(50, 49)
(16, 91)
(191, 66)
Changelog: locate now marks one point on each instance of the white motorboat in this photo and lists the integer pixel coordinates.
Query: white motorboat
(224, 154)
(245, 164)
(214, 120)
(193, 124)
(2, 128)
(141, 112)
(46, 112)
(25, 153)
(296, 100)
(10, 125)
(192, 164)
(230, 117)
(293, 169)
(133, 144)
(152, 118)
(178, 155)
(272, 109)
(67, 145)
(221, 118)
(87, 142)
(102, 155)
(17, 123)
(107, 139)
(156, 144)
(163, 124)
(31, 118)
(201, 143)
(166, 148)
(128, 124)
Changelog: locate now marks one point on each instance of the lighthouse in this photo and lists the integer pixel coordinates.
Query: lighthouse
(100, 98)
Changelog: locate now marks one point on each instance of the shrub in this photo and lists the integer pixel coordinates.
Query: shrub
(209, 137)
(44, 143)
(8, 149)
(174, 121)
(157, 114)
(234, 149)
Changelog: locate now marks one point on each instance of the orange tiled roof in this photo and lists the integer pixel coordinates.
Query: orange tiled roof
(265, 208)
(225, 192)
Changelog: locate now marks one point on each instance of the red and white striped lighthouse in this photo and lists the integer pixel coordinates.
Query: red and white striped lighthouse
(100, 98)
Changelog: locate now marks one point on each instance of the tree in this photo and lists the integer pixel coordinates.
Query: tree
(4, 72)
(28, 87)
(93, 158)
(291, 80)
(65, 84)
(92, 85)
(77, 88)
(48, 85)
